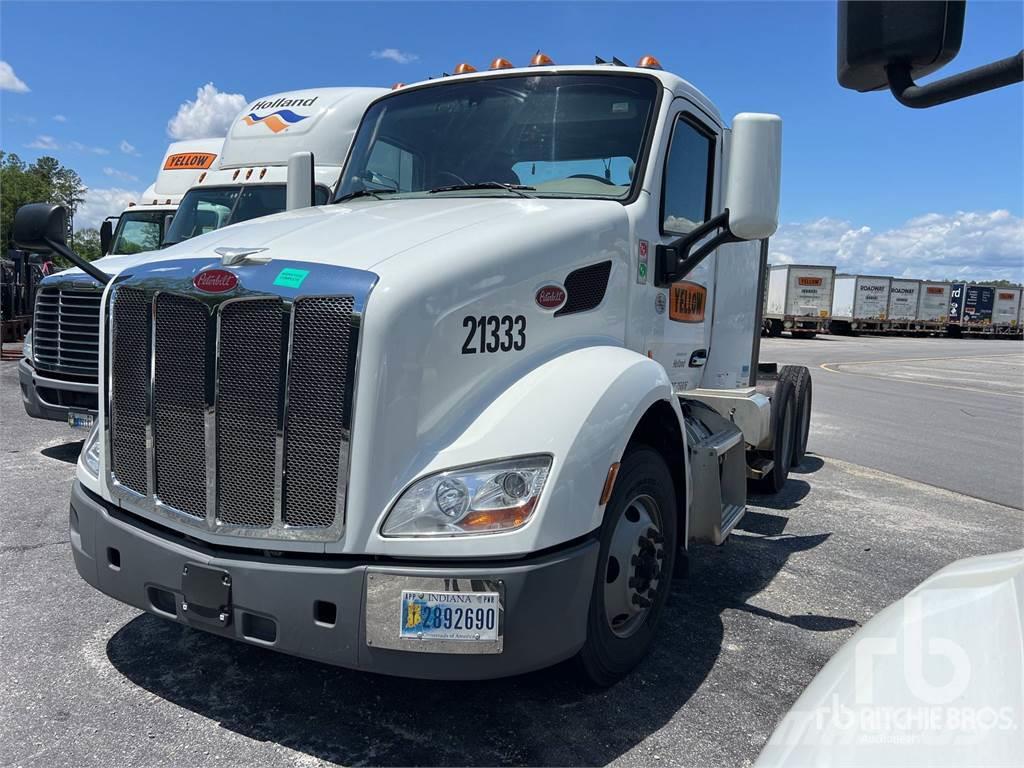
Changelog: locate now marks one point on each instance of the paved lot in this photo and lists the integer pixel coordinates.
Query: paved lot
(90, 682)
(947, 412)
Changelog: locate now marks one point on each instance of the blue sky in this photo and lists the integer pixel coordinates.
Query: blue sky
(865, 180)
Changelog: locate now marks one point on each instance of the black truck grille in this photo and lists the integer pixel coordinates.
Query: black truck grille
(239, 418)
(66, 332)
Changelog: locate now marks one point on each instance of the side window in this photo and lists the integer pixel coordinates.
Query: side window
(686, 201)
(390, 167)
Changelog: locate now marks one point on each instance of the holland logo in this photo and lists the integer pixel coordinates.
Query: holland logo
(275, 121)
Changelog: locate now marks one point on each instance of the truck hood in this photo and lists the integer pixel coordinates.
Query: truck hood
(368, 232)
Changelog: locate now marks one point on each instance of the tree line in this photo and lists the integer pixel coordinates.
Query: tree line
(44, 181)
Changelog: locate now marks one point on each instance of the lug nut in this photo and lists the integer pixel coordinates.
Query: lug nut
(642, 601)
(655, 536)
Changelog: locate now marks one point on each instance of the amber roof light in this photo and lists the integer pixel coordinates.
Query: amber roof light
(541, 60)
(500, 63)
(464, 69)
(648, 62)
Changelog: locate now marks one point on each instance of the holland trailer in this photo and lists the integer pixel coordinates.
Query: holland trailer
(860, 304)
(799, 300)
(464, 421)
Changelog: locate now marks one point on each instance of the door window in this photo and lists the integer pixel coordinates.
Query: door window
(686, 201)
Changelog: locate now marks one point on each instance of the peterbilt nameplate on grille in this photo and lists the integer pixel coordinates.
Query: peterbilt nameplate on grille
(214, 400)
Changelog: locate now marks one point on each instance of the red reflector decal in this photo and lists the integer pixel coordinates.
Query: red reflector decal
(215, 281)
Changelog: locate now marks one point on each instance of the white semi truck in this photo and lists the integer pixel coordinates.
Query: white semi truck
(206, 184)
(799, 299)
(463, 422)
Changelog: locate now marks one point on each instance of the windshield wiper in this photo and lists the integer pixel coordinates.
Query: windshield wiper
(374, 193)
(516, 189)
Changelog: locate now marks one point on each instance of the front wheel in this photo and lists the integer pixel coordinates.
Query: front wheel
(634, 569)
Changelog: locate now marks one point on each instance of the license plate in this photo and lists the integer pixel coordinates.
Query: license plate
(449, 616)
(80, 420)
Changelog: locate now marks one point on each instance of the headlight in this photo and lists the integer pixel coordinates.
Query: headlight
(26, 346)
(91, 451)
(481, 499)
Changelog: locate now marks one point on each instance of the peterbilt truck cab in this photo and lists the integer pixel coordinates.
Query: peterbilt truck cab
(464, 421)
(205, 184)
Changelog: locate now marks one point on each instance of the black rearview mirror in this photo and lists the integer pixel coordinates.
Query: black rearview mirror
(38, 226)
(106, 236)
(891, 43)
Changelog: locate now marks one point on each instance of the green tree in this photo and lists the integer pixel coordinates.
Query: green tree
(45, 181)
(87, 244)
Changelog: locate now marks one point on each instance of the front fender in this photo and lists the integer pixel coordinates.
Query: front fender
(581, 408)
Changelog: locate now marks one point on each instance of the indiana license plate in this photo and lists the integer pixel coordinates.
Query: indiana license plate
(80, 420)
(449, 615)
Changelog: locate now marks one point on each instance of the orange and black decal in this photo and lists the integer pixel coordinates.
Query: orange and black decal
(809, 280)
(189, 161)
(686, 302)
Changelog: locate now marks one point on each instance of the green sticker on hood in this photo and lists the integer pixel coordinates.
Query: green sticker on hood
(291, 278)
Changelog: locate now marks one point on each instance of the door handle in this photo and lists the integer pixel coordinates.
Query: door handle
(698, 358)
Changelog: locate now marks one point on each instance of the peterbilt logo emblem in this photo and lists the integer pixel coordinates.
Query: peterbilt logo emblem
(550, 297)
(215, 281)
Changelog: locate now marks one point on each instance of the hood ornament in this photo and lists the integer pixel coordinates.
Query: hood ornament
(230, 257)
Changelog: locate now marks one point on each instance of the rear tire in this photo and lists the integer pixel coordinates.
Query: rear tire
(774, 328)
(801, 378)
(634, 568)
(783, 419)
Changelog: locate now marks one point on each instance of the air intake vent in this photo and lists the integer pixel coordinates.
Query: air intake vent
(586, 287)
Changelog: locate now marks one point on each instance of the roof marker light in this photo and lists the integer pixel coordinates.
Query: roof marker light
(541, 60)
(648, 62)
(464, 69)
(202, 176)
(235, 176)
(396, 86)
(263, 173)
(248, 174)
(500, 63)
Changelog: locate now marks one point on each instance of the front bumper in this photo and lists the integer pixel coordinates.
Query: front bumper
(545, 605)
(46, 398)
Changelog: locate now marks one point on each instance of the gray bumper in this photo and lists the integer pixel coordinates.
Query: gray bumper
(46, 398)
(546, 598)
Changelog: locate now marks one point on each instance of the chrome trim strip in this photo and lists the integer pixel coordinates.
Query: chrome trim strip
(150, 437)
(282, 424)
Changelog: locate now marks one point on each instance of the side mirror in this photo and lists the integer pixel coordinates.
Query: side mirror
(43, 227)
(37, 226)
(300, 181)
(106, 236)
(755, 174)
(891, 43)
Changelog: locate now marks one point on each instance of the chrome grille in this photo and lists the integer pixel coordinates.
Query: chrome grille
(129, 406)
(248, 403)
(246, 432)
(66, 331)
(179, 403)
(318, 382)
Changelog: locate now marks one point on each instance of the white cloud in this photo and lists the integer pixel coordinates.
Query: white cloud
(209, 116)
(100, 203)
(973, 245)
(128, 149)
(123, 175)
(395, 55)
(10, 81)
(22, 119)
(60, 119)
(80, 147)
(43, 142)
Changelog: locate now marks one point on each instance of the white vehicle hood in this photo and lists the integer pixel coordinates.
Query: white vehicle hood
(366, 233)
(935, 679)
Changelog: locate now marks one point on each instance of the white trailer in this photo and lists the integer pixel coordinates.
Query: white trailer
(901, 312)
(859, 303)
(799, 299)
(493, 390)
(932, 306)
(1006, 311)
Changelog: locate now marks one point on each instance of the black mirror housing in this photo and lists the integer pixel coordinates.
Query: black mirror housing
(37, 226)
(924, 34)
(106, 236)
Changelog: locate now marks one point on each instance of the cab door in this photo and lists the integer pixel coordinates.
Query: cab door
(681, 329)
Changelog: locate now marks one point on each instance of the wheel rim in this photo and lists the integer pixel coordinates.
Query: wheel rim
(633, 568)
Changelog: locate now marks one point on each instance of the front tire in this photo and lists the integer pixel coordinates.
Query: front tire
(634, 570)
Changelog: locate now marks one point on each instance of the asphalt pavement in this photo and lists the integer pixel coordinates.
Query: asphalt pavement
(91, 682)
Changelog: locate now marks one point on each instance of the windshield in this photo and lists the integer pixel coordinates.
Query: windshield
(138, 231)
(205, 209)
(555, 135)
